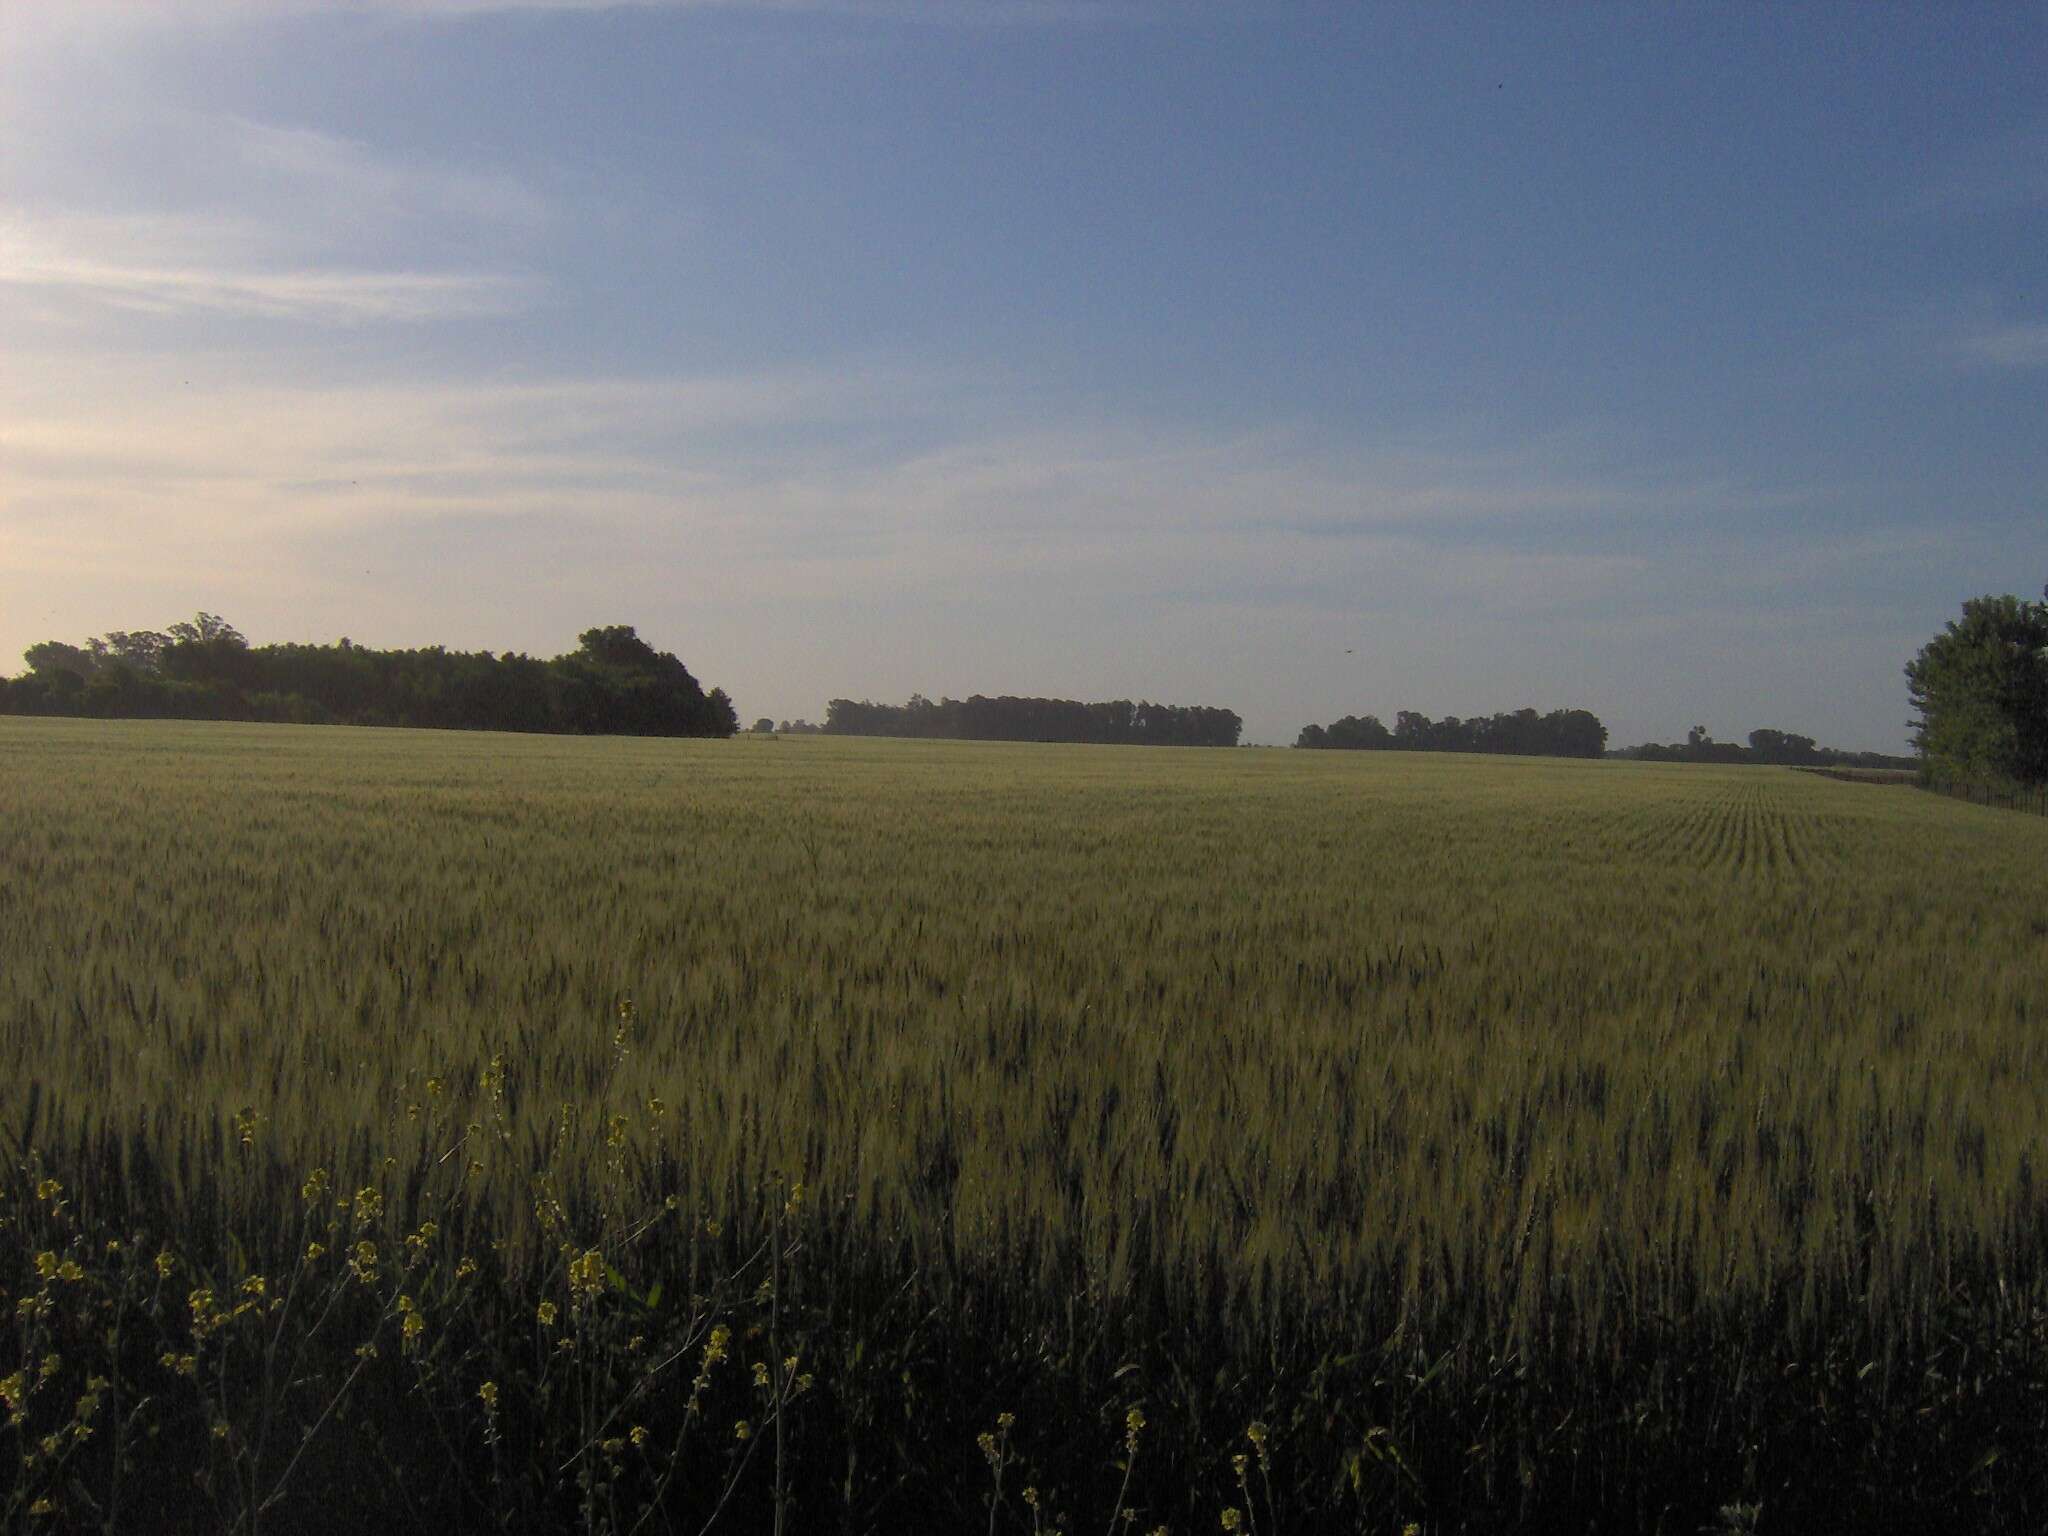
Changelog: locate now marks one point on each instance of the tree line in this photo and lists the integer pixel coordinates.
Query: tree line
(1114, 722)
(1979, 692)
(613, 683)
(1765, 746)
(1524, 733)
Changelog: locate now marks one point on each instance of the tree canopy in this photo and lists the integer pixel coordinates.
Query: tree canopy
(204, 669)
(1561, 733)
(1116, 721)
(1980, 691)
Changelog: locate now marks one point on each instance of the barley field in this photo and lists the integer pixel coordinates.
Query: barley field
(494, 1132)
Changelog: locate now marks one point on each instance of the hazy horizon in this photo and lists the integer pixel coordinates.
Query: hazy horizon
(1686, 366)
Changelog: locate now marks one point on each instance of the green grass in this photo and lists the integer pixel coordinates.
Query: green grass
(1480, 1103)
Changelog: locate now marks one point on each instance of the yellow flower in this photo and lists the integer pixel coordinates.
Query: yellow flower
(760, 1373)
(742, 1430)
(546, 1313)
(69, 1270)
(46, 1265)
(165, 1264)
(49, 1189)
(586, 1276)
(314, 1187)
(639, 1434)
(489, 1393)
(1256, 1433)
(314, 1250)
(465, 1268)
(414, 1325)
(1233, 1519)
(14, 1391)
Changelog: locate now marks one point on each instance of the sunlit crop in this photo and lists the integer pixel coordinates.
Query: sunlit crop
(1492, 1137)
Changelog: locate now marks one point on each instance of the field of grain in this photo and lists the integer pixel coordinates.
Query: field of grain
(1505, 1140)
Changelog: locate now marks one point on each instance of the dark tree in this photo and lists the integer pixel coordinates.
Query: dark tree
(205, 670)
(1782, 747)
(206, 628)
(1980, 691)
(980, 718)
(49, 657)
(1561, 733)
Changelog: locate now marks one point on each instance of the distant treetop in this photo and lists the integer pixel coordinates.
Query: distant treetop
(204, 669)
(979, 718)
(1561, 733)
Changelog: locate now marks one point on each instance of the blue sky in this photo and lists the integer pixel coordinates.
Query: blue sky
(1689, 365)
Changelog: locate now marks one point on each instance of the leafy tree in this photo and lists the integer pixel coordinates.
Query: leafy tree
(980, 718)
(205, 670)
(140, 649)
(1561, 733)
(618, 645)
(49, 657)
(763, 726)
(1782, 747)
(205, 629)
(1980, 690)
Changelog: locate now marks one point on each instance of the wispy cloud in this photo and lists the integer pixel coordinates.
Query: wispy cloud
(834, 528)
(2022, 345)
(121, 262)
(341, 179)
(935, 13)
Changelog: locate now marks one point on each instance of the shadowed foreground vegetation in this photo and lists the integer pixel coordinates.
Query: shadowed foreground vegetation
(409, 1129)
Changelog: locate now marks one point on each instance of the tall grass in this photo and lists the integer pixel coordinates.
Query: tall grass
(1513, 1138)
